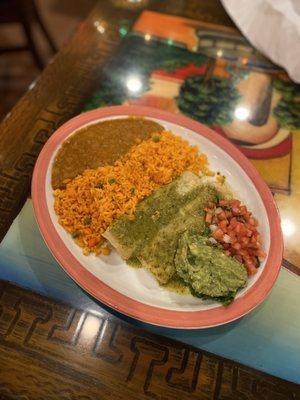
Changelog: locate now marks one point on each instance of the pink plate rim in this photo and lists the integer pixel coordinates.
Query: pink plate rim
(121, 303)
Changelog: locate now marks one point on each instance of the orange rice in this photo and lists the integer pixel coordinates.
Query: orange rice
(95, 198)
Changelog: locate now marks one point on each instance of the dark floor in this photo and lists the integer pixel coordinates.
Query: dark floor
(17, 70)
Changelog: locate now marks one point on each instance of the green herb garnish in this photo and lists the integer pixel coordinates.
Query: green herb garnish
(87, 220)
(100, 185)
(112, 181)
(206, 231)
(156, 138)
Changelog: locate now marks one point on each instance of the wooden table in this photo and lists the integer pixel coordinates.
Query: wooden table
(51, 350)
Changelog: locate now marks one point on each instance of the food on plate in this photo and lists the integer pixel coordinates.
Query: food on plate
(91, 201)
(166, 236)
(99, 144)
(162, 209)
(150, 239)
(235, 228)
(207, 270)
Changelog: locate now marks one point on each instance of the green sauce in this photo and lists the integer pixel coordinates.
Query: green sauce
(176, 284)
(134, 262)
(208, 271)
(167, 236)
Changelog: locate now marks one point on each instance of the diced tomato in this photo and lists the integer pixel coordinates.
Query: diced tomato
(236, 246)
(251, 269)
(246, 217)
(223, 225)
(235, 203)
(228, 214)
(231, 232)
(221, 216)
(238, 228)
(233, 240)
(233, 222)
(245, 240)
(235, 211)
(243, 230)
(243, 210)
(223, 203)
(218, 234)
(208, 218)
(249, 233)
(242, 252)
(252, 221)
(236, 232)
(260, 253)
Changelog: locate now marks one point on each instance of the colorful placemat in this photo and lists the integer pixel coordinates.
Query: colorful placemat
(212, 74)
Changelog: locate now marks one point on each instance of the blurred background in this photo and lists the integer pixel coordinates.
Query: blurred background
(40, 26)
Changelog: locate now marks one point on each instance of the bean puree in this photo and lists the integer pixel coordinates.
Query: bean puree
(99, 144)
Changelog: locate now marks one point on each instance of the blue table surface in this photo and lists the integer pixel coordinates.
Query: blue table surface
(267, 339)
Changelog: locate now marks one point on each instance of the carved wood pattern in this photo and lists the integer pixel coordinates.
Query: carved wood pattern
(49, 350)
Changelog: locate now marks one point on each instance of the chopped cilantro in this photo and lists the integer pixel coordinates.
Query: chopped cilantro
(100, 185)
(206, 231)
(218, 197)
(87, 220)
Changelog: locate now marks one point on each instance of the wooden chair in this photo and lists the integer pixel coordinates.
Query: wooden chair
(25, 13)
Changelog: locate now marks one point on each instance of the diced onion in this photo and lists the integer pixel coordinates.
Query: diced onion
(213, 227)
(226, 238)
